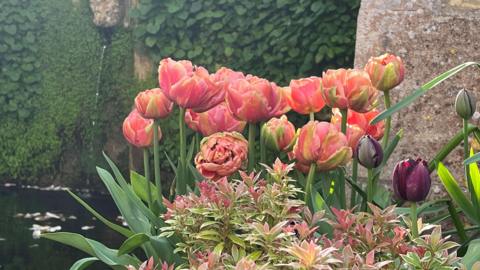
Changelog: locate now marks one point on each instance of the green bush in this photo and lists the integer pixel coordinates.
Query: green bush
(59, 128)
(276, 39)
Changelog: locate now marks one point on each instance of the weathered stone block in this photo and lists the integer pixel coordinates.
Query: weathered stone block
(431, 36)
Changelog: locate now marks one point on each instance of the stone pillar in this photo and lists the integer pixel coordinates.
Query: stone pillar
(431, 36)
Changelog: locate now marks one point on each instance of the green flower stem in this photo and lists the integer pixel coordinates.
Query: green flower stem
(370, 187)
(251, 146)
(197, 142)
(263, 153)
(465, 139)
(309, 184)
(312, 116)
(414, 219)
(457, 222)
(156, 161)
(344, 120)
(388, 122)
(146, 171)
(447, 148)
(181, 187)
(353, 196)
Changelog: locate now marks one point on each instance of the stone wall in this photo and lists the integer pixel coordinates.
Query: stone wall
(431, 36)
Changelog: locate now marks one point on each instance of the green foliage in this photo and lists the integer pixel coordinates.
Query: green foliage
(278, 40)
(66, 58)
(19, 25)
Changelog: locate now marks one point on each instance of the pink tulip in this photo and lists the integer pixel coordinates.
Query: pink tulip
(224, 76)
(170, 72)
(385, 71)
(255, 99)
(360, 120)
(217, 119)
(191, 88)
(348, 89)
(323, 144)
(153, 104)
(279, 134)
(305, 95)
(221, 154)
(139, 131)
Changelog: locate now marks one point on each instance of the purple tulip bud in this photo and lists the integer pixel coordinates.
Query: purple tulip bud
(411, 180)
(369, 152)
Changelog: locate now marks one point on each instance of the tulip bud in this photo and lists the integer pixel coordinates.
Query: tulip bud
(385, 71)
(139, 131)
(411, 180)
(465, 104)
(279, 134)
(369, 152)
(153, 104)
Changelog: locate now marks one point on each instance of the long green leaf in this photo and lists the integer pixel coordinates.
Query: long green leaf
(473, 254)
(139, 185)
(472, 159)
(134, 199)
(456, 193)
(388, 152)
(420, 91)
(83, 263)
(125, 232)
(132, 243)
(475, 183)
(134, 218)
(93, 248)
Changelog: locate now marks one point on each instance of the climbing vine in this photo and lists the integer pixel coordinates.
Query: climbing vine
(277, 39)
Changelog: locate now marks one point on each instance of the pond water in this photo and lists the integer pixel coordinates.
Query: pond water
(18, 247)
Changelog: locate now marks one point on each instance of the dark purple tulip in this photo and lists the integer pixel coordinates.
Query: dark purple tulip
(411, 180)
(369, 152)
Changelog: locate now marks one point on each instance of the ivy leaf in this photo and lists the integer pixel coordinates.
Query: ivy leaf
(153, 27)
(228, 51)
(10, 29)
(150, 41)
(174, 6)
(240, 10)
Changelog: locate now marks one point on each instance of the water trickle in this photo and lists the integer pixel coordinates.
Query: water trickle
(99, 81)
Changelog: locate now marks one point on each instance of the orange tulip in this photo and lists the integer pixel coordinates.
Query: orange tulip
(221, 154)
(217, 119)
(323, 144)
(360, 120)
(254, 99)
(139, 131)
(348, 89)
(385, 71)
(279, 134)
(190, 87)
(305, 95)
(153, 104)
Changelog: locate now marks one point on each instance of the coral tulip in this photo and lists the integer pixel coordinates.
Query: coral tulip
(358, 124)
(221, 154)
(305, 95)
(279, 134)
(217, 119)
(191, 88)
(385, 71)
(224, 76)
(323, 144)
(153, 104)
(348, 89)
(411, 180)
(255, 99)
(138, 131)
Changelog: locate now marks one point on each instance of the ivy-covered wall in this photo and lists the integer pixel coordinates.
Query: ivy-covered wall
(50, 59)
(53, 127)
(276, 39)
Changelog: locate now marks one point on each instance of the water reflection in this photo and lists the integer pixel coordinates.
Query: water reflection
(18, 248)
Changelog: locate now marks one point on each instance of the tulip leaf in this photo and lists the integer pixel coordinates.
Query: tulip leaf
(388, 152)
(93, 248)
(472, 159)
(475, 181)
(125, 232)
(357, 188)
(174, 168)
(456, 193)
(132, 243)
(139, 185)
(420, 91)
(83, 263)
(473, 254)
